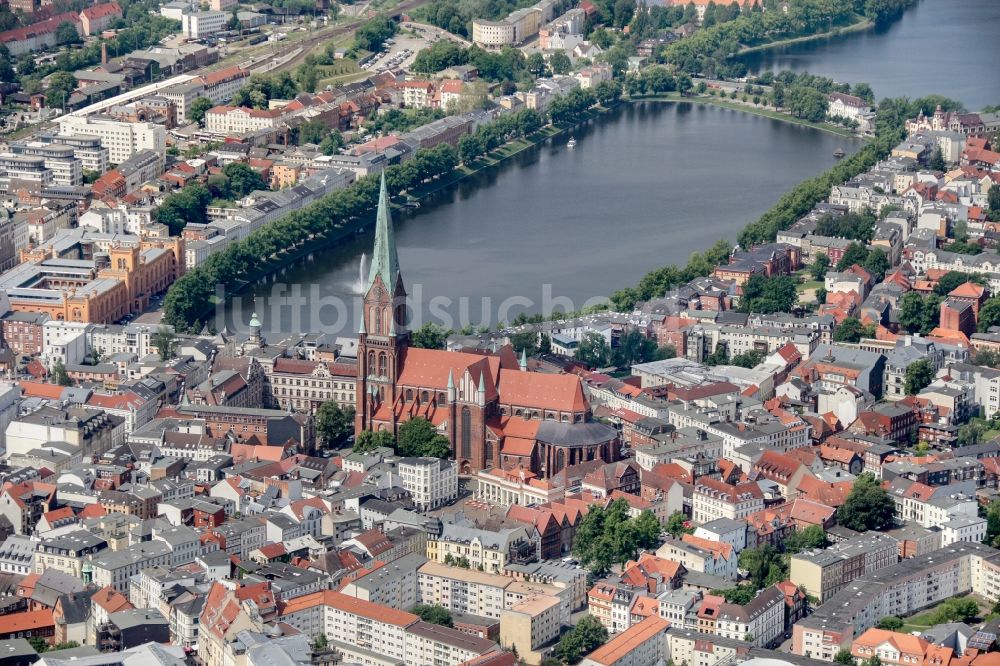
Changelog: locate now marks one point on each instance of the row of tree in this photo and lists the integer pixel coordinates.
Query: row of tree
(493, 135)
(191, 296)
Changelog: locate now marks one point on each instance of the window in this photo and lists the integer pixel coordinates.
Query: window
(466, 432)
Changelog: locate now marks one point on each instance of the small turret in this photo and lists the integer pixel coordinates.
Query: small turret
(524, 360)
(481, 393)
(87, 573)
(255, 326)
(451, 387)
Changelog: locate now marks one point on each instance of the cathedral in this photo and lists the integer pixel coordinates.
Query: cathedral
(494, 412)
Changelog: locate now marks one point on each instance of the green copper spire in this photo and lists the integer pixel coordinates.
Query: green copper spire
(384, 259)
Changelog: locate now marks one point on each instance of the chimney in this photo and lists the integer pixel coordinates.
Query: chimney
(104, 53)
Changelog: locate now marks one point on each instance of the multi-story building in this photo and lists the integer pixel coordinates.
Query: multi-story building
(304, 385)
(96, 18)
(393, 585)
(218, 87)
(900, 590)
(67, 552)
(24, 171)
(431, 481)
(358, 628)
(240, 120)
(528, 625)
(122, 139)
(198, 25)
(60, 159)
(641, 644)
(13, 239)
(97, 290)
(823, 573)
(759, 622)
(86, 147)
(507, 487)
(484, 549)
(714, 499)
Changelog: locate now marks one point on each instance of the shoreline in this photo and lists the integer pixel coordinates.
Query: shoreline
(737, 106)
(496, 158)
(861, 26)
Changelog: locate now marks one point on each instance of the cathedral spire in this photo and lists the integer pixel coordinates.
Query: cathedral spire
(384, 259)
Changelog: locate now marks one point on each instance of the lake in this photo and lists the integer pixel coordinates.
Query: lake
(646, 185)
(947, 47)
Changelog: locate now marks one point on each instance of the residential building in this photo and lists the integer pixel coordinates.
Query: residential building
(432, 482)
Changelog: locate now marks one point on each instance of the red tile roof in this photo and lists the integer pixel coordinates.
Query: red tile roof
(100, 11)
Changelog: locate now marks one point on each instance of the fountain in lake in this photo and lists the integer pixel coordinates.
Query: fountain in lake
(362, 275)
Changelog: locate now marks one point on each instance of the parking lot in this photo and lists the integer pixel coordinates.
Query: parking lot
(400, 51)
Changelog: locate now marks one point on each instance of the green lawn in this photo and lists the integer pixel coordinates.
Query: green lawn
(809, 284)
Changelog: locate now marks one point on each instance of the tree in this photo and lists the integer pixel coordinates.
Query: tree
(188, 204)
(39, 644)
(971, 433)
(470, 148)
(369, 440)
(7, 73)
(165, 341)
(417, 437)
(767, 295)
(675, 525)
(890, 623)
(332, 142)
(992, 523)
(741, 594)
(844, 657)
(544, 344)
(582, 639)
(952, 280)
(435, 614)
(633, 347)
(525, 341)
(807, 103)
(607, 536)
(919, 374)
(560, 63)
(807, 539)
(989, 314)
(333, 422)
(936, 160)
(536, 64)
(648, 528)
(371, 35)
(852, 330)
(243, 179)
(429, 336)
(867, 507)
(61, 86)
(59, 374)
(819, 266)
(66, 34)
(993, 202)
(608, 92)
(876, 263)
(853, 254)
(764, 565)
(199, 107)
(593, 350)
